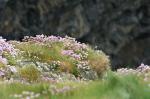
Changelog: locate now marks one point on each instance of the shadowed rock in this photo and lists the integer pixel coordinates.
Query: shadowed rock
(111, 25)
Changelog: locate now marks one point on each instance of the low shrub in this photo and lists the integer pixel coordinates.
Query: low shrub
(71, 54)
(7, 53)
(29, 73)
(98, 61)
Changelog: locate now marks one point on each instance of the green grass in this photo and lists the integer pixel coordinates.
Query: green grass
(111, 87)
(7, 90)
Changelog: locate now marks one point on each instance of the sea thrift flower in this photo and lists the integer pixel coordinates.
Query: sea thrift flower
(83, 65)
(54, 38)
(1, 73)
(3, 60)
(27, 95)
(63, 90)
(142, 71)
(13, 69)
(42, 38)
(71, 43)
(143, 68)
(71, 53)
(67, 52)
(4, 46)
(76, 56)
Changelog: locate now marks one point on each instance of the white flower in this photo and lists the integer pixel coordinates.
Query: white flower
(13, 69)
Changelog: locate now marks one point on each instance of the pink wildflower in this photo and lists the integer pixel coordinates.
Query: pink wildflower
(3, 60)
(13, 69)
(2, 73)
(67, 52)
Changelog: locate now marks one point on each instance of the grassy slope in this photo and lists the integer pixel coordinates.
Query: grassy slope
(112, 87)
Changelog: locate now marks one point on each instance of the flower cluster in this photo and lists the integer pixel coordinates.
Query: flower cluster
(83, 65)
(26, 95)
(143, 68)
(49, 79)
(2, 73)
(13, 69)
(54, 77)
(5, 47)
(141, 71)
(74, 49)
(3, 60)
(71, 43)
(71, 53)
(65, 89)
(53, 66)
(8, 71)
(43, 39)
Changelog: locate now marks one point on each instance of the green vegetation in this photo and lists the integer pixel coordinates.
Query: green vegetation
(50, 67)
(29, 72)
(66, 53)
(110, 87)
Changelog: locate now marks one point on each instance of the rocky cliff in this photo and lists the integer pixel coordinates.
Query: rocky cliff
(121, 28)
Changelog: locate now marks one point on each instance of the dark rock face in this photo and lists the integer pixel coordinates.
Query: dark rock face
(121, 28)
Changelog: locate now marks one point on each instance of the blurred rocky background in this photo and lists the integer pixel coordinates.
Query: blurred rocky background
(121, 28)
